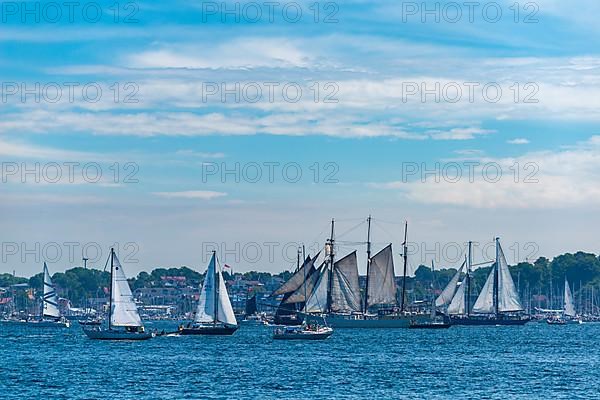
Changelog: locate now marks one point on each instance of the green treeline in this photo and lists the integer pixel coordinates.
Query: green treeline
(541, 277)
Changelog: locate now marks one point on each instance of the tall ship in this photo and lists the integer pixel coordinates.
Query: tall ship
(123, 322)
(50, 315)
(498, 302)
(331, 293)
(214, 314)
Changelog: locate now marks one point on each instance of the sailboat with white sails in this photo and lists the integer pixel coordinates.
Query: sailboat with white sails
(123, 322)
(569, 315)
(497, 304)
(214, 315)
(50, 315)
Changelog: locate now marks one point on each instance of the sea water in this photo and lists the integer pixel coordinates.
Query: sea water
(536, 361)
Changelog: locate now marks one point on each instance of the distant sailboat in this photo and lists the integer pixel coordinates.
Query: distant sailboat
(497, 304)
(569, 315)
(214, 315)
(50, 315)
(124, 322)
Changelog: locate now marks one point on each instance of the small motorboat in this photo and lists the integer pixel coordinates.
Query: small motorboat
(129, 333)
(556, 321)
(434, 324)
(303, 332)
(90, 322)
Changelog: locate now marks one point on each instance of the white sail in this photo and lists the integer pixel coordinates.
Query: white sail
(485, 302)
(508, 297)
(448, 293)
(124, 311)
(50, 300)
(224, 310)
(345, 289)
(317, 302)
(382, 283)
(569, 309)
(457, 304)
(205, 312)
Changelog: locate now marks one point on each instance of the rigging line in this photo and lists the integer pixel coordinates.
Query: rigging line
(106, 264)
(316, 239)
(351, 229)
(388, 222)
(349, 219)
(387, 232)
(348, 243)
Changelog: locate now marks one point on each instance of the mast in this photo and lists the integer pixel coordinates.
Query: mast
(368, 263)
(405, 256)
(110, 294)
(469, 264)
(297, 269)
(331, 260)
(496, 283)
(433, 286)
(216, 293)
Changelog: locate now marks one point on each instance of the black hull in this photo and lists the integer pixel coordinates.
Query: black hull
(210, 331)
(477, 321)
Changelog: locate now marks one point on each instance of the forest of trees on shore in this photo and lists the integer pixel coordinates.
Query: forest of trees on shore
(540, 277)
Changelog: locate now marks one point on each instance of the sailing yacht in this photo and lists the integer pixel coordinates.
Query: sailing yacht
(214, 315)
(123, 322)
(336, 299)
(50, 315)
(569, 315)
(497, 304)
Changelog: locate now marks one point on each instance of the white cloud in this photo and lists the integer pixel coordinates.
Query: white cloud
(459, 133)
(199, 154)
(561, 179)
(248, 52)
(193, 194)
(518, 141)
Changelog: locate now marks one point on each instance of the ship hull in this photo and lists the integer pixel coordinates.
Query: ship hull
(360, 321)
(304, 336)
(485, 321)
(38, 324)
(209, 330)
(104, 334)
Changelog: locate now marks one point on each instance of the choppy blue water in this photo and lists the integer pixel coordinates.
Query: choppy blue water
(534, 361)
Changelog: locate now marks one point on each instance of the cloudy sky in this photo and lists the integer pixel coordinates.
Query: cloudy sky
(169, 129)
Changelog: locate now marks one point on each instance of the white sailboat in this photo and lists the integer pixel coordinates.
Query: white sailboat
(569, 315)
(498, 302)
(214, 315)
(124, 322)
(50, 315)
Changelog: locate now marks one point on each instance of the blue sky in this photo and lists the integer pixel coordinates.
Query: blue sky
(167, 55)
